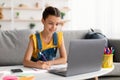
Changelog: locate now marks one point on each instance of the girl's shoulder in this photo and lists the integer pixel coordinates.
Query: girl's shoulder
(34, 34)
(60, 34)
(60, 38)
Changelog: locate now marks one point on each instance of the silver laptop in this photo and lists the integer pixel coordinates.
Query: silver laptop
(85, 55)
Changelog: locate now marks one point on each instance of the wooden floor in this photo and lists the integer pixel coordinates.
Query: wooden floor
(110, 78)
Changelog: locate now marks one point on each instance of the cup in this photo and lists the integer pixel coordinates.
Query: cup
(107, 61)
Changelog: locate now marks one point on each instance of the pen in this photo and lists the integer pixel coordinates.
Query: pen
(35, 69)
(43, 56)
(112, 51)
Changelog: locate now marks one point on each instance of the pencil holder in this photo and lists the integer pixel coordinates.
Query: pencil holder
(107, 61)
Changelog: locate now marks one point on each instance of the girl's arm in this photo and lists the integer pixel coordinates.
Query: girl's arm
(27, 58)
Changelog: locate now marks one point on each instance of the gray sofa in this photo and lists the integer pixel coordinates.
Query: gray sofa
(14, 43)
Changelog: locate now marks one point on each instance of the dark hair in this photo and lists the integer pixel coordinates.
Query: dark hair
(51, 11)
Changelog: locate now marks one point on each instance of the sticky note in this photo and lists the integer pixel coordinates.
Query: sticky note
(27, 78)
(10, 78)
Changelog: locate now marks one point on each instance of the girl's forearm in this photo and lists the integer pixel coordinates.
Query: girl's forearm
(30, 64)
(58, 61)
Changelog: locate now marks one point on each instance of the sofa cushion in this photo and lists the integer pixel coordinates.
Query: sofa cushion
(74, 34)
(116, 70)
(12, 46)
(69, 35)
(115, 43)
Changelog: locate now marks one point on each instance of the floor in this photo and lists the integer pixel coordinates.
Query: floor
(107, 78)
(110, 78)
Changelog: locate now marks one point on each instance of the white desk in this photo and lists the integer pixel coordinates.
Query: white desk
(44, 75)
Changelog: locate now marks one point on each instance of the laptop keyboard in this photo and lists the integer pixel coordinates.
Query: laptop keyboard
(59, 70)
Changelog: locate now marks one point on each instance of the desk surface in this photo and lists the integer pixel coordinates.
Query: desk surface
(44, 75)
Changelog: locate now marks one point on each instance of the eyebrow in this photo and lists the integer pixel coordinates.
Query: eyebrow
(50, 21)
(53, 21)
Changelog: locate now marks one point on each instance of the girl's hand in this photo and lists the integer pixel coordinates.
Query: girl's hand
(49, 63)
(43, 65)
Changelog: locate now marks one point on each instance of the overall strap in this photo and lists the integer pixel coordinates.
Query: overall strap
(39, 45)
(38, 41)
(55, 38)
(55, 41)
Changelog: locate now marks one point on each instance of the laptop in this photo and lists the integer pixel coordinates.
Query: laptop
(85, 56)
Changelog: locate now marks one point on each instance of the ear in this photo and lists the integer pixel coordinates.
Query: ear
(42, 20)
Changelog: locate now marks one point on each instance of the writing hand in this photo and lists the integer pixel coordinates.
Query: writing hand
(43, 65)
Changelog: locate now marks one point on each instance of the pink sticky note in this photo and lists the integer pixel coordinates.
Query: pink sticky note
(10, 78)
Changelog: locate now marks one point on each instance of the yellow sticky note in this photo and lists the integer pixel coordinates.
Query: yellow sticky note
(27, 78)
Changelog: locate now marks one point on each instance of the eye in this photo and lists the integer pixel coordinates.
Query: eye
(58, 24)
(51, 23)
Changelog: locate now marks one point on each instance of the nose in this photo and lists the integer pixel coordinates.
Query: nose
(54, 26)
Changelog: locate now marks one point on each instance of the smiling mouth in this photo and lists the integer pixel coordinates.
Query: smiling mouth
(52, 30)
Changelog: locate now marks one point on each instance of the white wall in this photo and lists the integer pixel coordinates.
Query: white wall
(27, 14)
(116, 18)
(100, 14)
(84, 14)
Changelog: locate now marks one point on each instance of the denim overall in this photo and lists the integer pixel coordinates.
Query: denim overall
(48, 54)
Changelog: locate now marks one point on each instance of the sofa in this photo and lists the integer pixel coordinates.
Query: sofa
(13, 44)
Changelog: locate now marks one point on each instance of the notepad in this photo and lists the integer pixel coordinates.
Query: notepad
(10, 78)
(26, 77)
(1, 74)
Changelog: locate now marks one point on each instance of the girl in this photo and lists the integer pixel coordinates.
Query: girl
(43, 45)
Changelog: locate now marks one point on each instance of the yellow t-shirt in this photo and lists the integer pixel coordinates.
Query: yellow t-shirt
(45, 45)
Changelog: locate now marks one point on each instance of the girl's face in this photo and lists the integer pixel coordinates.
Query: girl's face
(51, 23)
